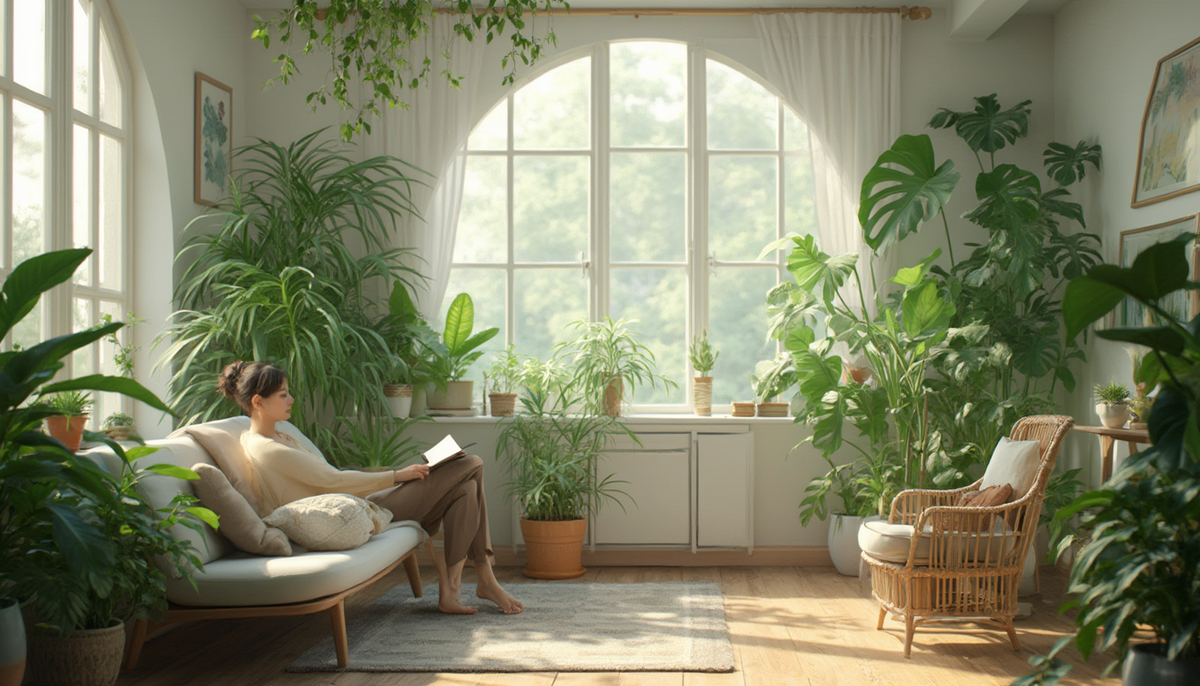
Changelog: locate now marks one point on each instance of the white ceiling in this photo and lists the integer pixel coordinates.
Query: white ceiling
(1030, 6)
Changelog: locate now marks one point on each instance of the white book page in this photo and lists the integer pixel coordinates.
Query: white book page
(445, 449)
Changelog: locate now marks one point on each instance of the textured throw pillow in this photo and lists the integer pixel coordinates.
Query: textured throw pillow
(1014, 463)
(335, 521)
(988, 497)
(238, 522)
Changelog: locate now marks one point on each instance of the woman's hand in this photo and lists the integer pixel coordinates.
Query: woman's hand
(415, 472)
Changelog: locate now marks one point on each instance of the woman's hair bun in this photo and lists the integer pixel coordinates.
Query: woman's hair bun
(227, 383)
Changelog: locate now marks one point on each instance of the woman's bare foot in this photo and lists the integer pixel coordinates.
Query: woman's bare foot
(454, 607)
(495, 593)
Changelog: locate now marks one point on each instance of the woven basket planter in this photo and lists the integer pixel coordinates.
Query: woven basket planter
(743, 409)
(702, 396)
(88, 657)
(502, 404)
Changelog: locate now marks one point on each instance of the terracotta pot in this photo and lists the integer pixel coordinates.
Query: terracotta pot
(859, 375)
(67, 430)
(554, 550)
(12, 645)
(702, 396)
(613, 394)
(773, 409)
(1113, 416)
(743, 409)
(85, 658)
(502, 404)
(457, 396)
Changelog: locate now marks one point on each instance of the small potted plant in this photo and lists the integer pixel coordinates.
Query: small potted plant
(502, 380)
(1113, 408)
(72, 409)
(770, 379)
(119, 426)
(704, 358)
(460, 353)
(606, 360)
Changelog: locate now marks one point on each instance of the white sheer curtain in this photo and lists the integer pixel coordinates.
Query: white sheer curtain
(841, 72)
(430, 135)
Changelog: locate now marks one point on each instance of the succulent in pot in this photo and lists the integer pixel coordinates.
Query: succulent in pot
(1113, 408)
(704, 358)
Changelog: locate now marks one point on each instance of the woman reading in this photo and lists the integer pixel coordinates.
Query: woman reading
(452, 494)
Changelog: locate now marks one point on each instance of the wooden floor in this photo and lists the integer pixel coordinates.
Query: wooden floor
(789, 625)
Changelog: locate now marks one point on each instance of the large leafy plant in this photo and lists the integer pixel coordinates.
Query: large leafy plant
(460, 340)
(1011, 284)
(279, 279)
(608, 352)
(372, 40)
(78, 542)
(1141, 564)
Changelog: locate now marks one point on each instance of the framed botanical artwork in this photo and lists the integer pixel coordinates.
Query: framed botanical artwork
(1169, 147)
(214, 139)
(1182, 305)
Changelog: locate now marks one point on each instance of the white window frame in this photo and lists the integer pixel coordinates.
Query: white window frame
(700, 263)
(58, 154)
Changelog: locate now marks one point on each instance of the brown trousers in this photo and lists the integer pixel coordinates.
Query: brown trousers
(452, 492)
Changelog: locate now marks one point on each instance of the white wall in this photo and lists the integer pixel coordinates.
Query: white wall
(1105, 54)
(167, 41)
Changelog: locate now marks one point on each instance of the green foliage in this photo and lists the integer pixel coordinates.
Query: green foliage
(375, 441)
(414, 347)
(552, 457)
(605, 351)
(372, 41)
(987, 128)
(771, 378)
(506, 373)
(1141, 564)
(69, 403)
(457, 337)
(1111, 393)
(702, 355)
(278, 280)
(79, 544)
(122, 353)
(896, 199)
(117, 420)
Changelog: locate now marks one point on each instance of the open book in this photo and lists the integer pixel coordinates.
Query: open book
(447, 449)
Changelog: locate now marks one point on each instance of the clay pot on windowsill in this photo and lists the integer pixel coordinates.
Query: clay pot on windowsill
(67, 430)
(502, 404)
(773, 409)
(743, 409)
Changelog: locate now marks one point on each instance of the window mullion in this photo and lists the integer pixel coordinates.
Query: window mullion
(59, 153)
(601, 201)
(698, 255)
(510, 278)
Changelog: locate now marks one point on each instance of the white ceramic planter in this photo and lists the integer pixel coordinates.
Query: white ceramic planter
(12, 645)
(843, 542)
(1113, 416)
(399, 399)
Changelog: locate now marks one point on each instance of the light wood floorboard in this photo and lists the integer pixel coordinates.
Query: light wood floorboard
(788, 625)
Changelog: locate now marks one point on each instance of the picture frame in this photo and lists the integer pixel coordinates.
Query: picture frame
(1168, 160)
(213, 140)
(1130, 312)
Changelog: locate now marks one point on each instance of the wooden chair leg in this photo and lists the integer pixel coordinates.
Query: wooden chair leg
(337, 617)
(133, 649)
(414, 574)
(882, 616)
(910, 627)
(1012, 634)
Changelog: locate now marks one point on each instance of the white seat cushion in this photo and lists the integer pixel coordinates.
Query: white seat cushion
(242, 580)
(1014, 463)
(891, 542)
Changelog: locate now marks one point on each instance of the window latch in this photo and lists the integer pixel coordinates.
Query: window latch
(585, 265)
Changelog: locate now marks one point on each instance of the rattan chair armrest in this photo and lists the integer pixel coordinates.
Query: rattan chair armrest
(908, 504)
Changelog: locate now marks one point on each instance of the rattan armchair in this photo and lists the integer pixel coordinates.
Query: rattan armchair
(973, 564)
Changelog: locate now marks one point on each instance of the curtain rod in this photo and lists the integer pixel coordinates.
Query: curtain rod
(913, 13)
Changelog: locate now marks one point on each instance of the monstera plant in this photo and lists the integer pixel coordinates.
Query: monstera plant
(1011, 284)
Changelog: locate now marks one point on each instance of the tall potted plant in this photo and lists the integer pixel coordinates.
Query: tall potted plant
(609, 363)
(1141, 565)
(703, 358)
(72, 409)
(461, 351)
(75, 539)
(551, 458)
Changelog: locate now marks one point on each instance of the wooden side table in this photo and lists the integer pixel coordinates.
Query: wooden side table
(1108, 441)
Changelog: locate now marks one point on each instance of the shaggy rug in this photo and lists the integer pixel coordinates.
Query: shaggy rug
(566, 627)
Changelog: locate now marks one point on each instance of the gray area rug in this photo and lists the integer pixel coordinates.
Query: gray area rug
(566, 627)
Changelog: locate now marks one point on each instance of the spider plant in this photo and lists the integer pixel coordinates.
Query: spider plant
(607, 354)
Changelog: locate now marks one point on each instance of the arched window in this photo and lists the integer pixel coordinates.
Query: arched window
(639, 181)
(64, 85)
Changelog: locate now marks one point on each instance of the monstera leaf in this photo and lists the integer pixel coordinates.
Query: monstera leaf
(1066, 165)
(1009, 198)
(815, 270)
(987, 128)
(896, 199)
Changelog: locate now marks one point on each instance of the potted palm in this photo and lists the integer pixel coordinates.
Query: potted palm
(1141, 566)
(551, 459)
(72, 409)
(455, 393)
(1113, 408)
(76, 540)
(703, 358)
(607, 361)
(502, 380)
(411, 342)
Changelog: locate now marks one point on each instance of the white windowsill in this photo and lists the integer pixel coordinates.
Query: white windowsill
(639, 419)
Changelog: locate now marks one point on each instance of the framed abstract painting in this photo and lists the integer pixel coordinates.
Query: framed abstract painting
(213, 139)
(1169, 147)
(1182, 305)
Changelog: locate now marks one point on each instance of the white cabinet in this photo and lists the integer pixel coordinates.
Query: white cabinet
(724, 484)
(657, 480)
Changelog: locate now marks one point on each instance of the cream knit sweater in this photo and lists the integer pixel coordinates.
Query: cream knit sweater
(284, 472)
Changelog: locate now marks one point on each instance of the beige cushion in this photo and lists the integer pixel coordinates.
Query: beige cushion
(1014, 463)
(238, 522)
(891, 542)
(334, 521)
(241, 579)
(991, 496)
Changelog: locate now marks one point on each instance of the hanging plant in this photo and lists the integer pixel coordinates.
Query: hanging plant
(371, 41)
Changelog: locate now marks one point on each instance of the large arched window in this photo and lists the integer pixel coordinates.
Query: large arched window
(65, 166)
(639, 181)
